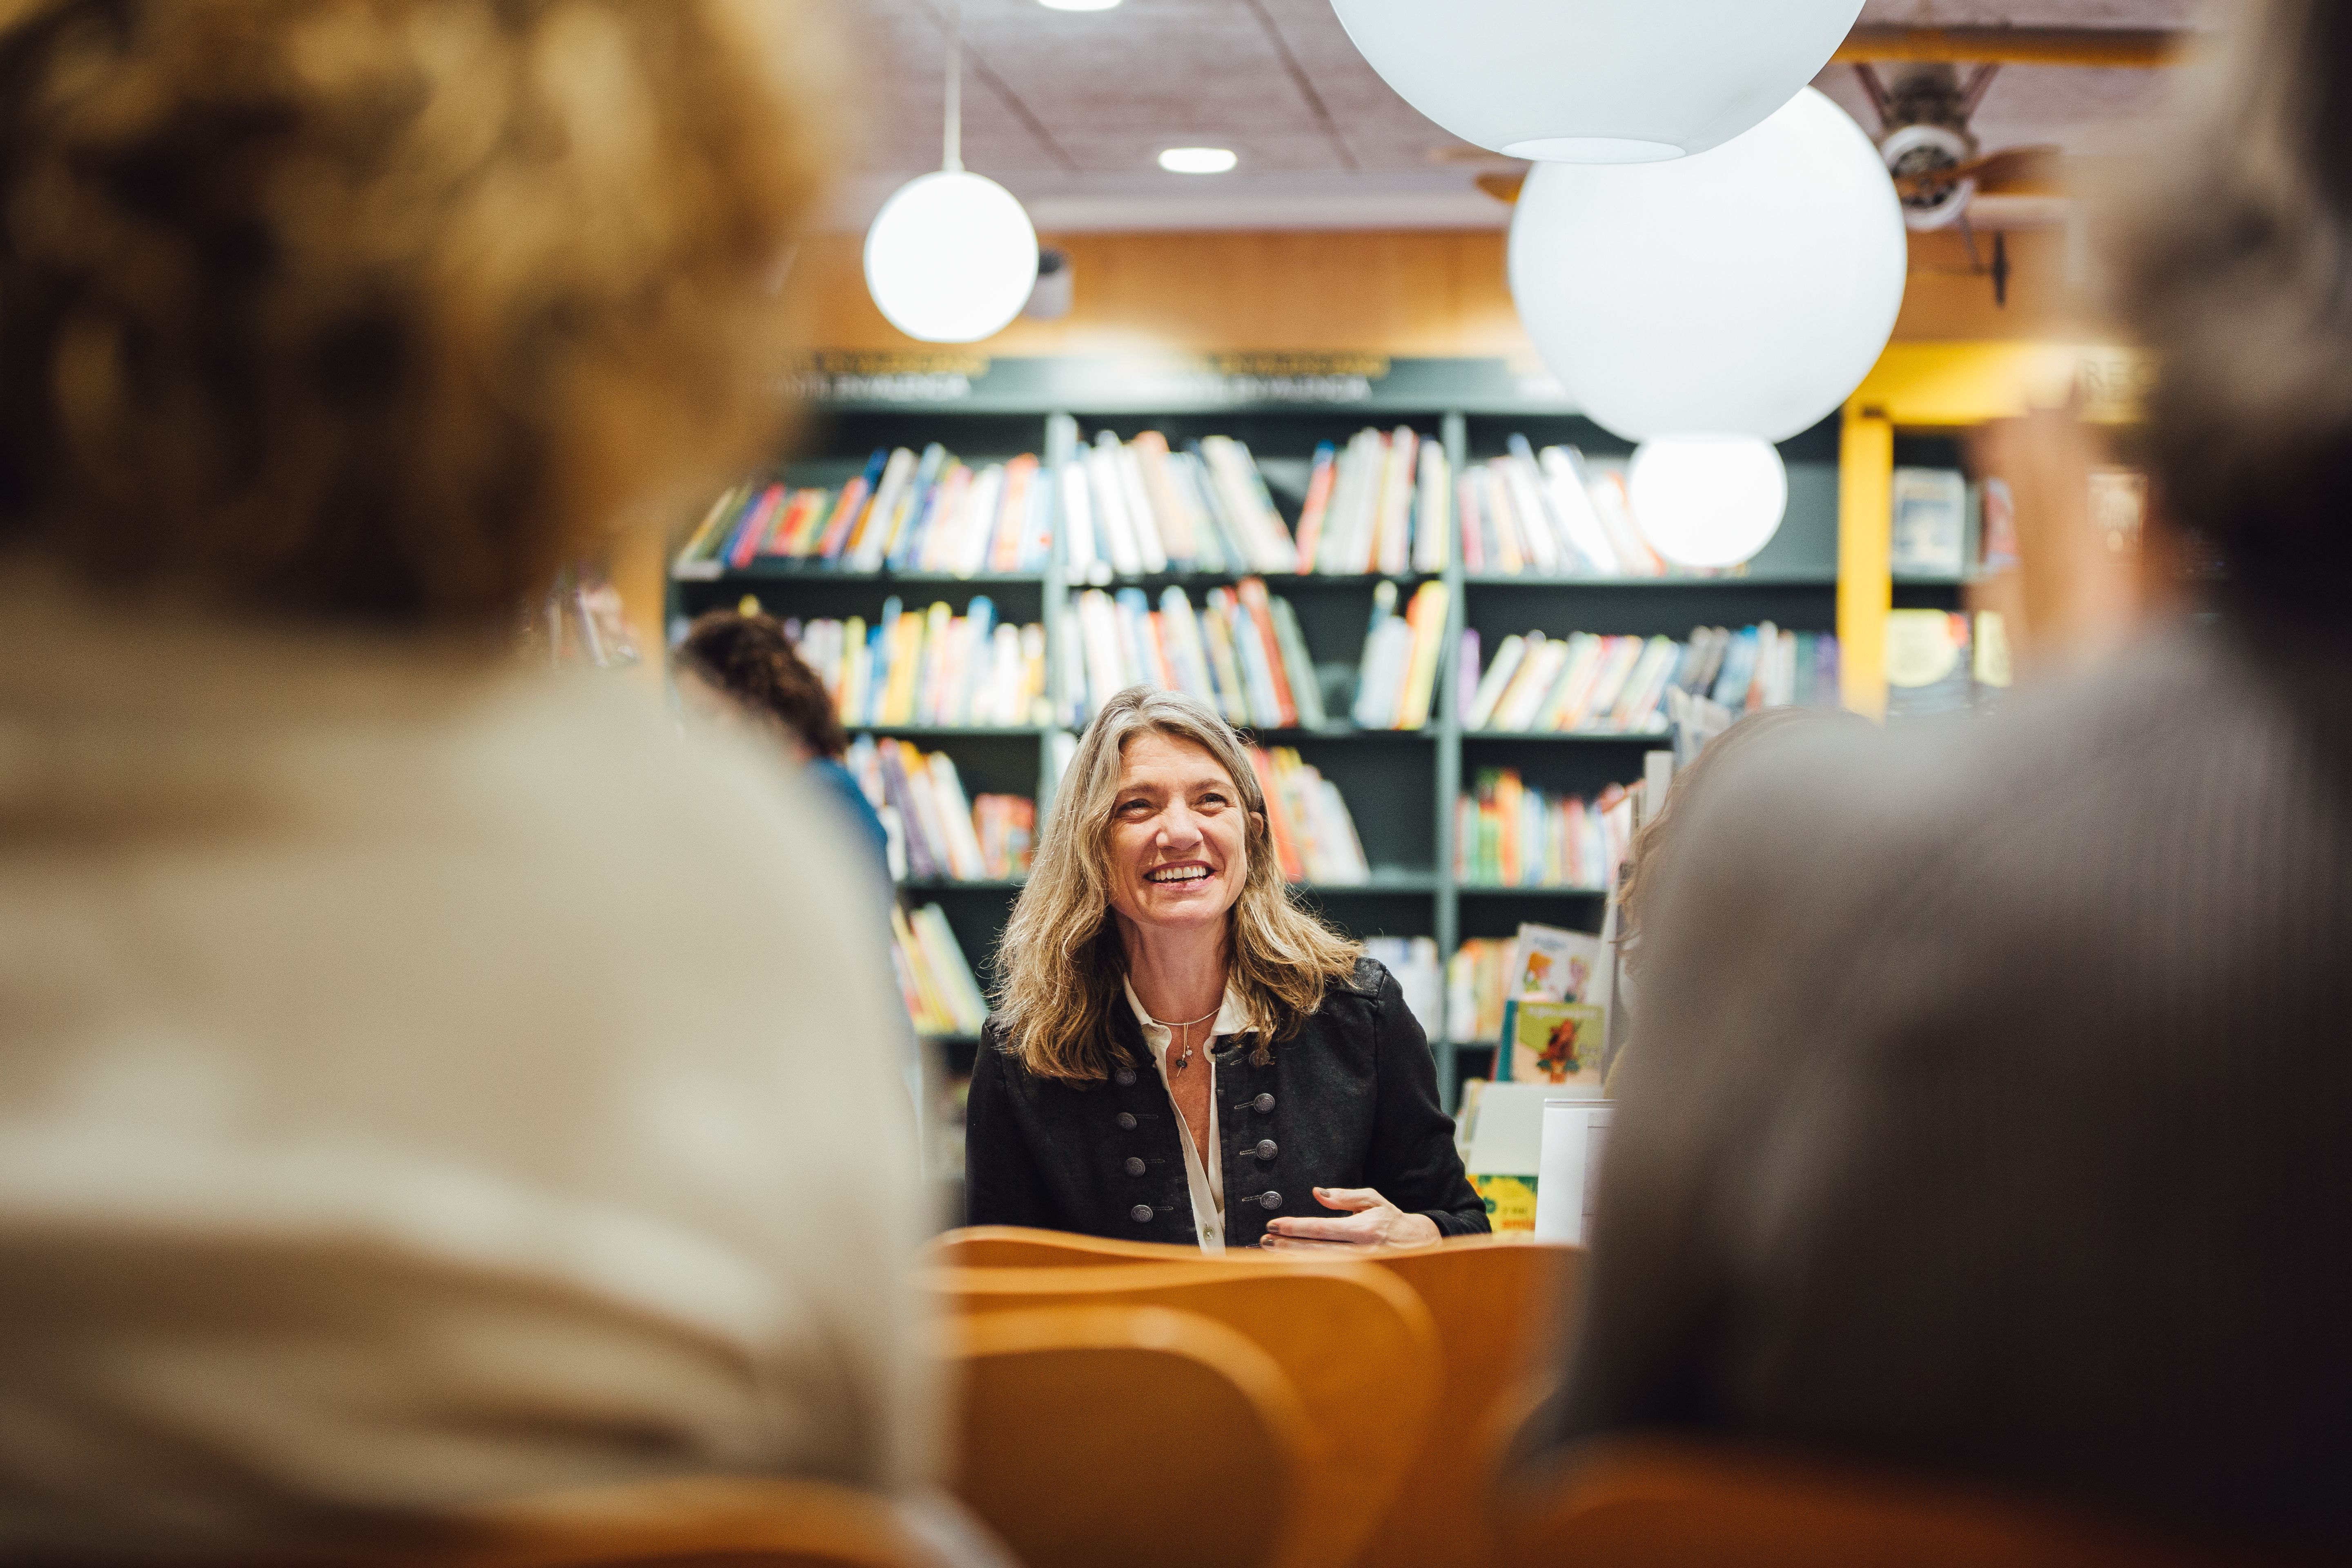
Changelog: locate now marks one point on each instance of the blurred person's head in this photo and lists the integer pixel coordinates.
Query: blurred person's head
(382, 310)
(733, 664)
(2232, 266)
(1159, 827)
(1656, 849)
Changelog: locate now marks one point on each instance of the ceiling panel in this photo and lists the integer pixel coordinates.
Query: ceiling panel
(1071, 108)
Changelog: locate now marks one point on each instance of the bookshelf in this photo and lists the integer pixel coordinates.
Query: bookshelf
(1400, 785)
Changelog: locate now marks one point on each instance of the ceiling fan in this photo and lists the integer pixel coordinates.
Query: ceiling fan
(1939, 168)
(1937, 164)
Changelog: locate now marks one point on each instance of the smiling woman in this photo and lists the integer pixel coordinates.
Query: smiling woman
(1156, 932)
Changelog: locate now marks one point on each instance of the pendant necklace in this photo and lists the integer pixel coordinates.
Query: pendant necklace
(1180, 1063)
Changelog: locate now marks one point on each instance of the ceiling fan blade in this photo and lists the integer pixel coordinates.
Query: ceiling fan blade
(2011, 172)
(2020, 172)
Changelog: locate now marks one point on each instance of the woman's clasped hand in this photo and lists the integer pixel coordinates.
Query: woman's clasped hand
(1371, 1221)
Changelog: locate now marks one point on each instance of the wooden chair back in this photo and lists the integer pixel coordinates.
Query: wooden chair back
(1112, 1433)
(1018, 1247)
(1660, 1503)
(1354, 1342)
(697, 1522)
(1502, 1314)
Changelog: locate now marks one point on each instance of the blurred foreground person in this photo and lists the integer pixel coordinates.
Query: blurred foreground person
(737, 668)
(1990, 1111)
(1655, 849)
(420, 1081)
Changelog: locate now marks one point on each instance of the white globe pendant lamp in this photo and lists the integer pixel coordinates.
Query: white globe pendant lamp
(1597, 81)
(952, 256)
(1707, 501)
(1742, 291)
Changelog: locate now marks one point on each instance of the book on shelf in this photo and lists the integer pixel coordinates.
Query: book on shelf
(942, 996)
(934, 831)
(1509, 834)
(1241, 653)
(1136, 507)
(1313, 834)
(1396, 680)
(1929, 520)
(930, 667)
(909, 512)
(1413, 960)
(1588, 684)
(1549, 514)
(1382, 504)
(1475, 986)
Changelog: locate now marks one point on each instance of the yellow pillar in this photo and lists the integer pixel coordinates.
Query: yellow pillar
(1865, 535)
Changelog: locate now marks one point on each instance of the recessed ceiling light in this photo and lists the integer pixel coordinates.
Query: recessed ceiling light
(1198, 160)
(1077, 5)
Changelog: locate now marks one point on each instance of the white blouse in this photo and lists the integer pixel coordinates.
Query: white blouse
(1205, 1178)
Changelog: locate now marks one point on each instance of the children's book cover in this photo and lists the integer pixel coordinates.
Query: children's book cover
(1553, 1042)
(1554, 963)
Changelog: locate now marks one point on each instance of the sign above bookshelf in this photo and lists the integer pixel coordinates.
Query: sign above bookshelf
(1171, 384)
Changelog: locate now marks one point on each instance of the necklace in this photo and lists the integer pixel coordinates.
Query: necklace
(1180, 1063)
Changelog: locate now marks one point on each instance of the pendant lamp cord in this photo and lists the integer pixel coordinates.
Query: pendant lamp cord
(953, 160)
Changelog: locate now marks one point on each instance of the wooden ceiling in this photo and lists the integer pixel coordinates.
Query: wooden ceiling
(1071, 108)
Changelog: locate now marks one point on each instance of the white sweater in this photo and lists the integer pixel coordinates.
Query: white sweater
(420, 1081)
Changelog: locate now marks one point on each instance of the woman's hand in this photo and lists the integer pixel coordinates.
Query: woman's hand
(1372, 1221)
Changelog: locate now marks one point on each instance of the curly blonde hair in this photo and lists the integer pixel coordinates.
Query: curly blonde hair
(1061, 964)
(384, 309)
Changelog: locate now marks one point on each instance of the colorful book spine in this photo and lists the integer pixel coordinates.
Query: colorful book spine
(1508, 834)
(934, 667)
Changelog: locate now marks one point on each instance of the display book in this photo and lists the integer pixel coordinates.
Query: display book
(934, 833)
(1585, 684)
(1244, 655)
(1379, 505)
(905, 512)
(1550, 989)
(930, 667)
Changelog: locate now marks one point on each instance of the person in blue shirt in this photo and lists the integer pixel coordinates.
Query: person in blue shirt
(739, 665)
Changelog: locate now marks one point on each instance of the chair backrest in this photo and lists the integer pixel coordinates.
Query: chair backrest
(697, 1522)
(1663, 1504)
(1018, 1247)
(1502, 1313)
(1354, 1342)
(1118, 1434)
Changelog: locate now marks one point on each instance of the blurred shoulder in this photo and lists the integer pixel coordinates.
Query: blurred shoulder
(1841, 811)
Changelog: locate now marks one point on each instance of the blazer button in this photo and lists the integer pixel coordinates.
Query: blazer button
(1269, 1199)
(1134, 1167)
(1127, 1122)
(1262, 1104)
(1267, 1149)
(1140, 1214)
(1124, 1078)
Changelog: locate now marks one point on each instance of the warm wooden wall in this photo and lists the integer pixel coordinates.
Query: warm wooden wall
(1409, 293)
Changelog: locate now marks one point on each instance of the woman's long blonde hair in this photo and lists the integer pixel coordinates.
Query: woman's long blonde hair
(1061, 966)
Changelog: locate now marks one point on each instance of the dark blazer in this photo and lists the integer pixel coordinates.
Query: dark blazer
(1349, 1101)
(1990, 1104)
